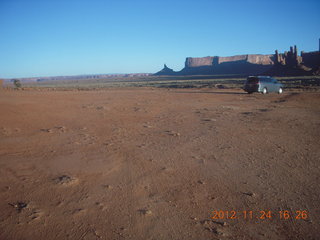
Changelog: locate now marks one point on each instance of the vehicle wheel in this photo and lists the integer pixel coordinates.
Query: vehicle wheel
(264, 91)
(280, 90)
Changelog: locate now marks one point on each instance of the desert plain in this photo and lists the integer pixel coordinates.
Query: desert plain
(152, 163)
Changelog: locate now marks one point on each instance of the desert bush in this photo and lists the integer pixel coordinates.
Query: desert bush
(17, 83)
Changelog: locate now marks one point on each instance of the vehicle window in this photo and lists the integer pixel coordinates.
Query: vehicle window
(252, 80)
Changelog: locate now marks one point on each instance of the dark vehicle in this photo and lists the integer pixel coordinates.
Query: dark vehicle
(262, 84)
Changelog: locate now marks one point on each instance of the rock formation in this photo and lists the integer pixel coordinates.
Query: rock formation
(290, 58)
(239, 64)
(214, 61)
(287, 63)
(291, 64)
(165, 71)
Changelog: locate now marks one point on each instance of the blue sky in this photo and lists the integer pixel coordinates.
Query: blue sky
(71, 37)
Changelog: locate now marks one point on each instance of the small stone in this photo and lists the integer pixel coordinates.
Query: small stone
(146, 212)
(251, 194)
(201, 182)
(172, 133)
(48, 130)
(209, 120)
(61, 128)
(19, 205)
(65, 180)
(220, 223)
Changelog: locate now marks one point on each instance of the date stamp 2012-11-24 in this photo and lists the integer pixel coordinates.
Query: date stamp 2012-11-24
(261, 214)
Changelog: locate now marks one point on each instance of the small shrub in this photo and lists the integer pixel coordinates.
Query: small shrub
(17, 83)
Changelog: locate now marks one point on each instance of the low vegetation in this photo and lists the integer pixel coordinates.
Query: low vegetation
(209, 81)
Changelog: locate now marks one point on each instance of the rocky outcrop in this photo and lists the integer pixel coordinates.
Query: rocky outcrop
(311, 59)
(213, 61)
(239, 64)
(288, 63)
(291, 64)
(165, 71)
(198, 62)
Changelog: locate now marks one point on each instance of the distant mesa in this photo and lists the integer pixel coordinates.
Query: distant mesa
(81, 77)
(286, 64)
(291, 64)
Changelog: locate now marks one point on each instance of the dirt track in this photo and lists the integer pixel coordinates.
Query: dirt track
(155, 164)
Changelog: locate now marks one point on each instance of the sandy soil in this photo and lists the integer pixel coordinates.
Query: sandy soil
(156, 163)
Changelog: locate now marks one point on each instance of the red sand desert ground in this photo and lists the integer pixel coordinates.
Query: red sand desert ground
(147, 163)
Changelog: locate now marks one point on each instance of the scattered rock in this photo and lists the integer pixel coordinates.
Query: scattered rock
(201, 182)
(220, 223)
(36, 214)
(100, 108)
(52, 130)
(209, 120)
(107, 186)
(19, 205)
(172, 133)
(212, 229)
(251, 194)
(48, 130)
(211, 226)
(247, 113)
(61, 128)
(65, 180)
(205, 222)
(145, 212)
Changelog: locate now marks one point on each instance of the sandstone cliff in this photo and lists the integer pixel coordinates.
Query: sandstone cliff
(199, 62)
(212, 61)
(288, 63)
(239, 64)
